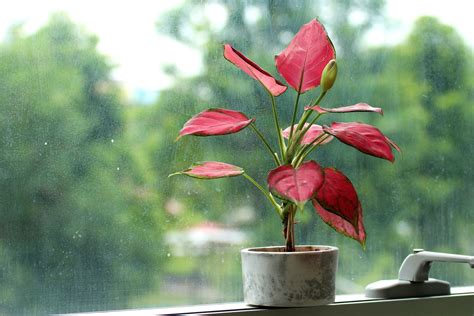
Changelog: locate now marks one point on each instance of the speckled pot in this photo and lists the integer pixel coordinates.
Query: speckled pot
(273, 277)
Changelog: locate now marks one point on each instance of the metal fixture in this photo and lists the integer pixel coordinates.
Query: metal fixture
(413, 279)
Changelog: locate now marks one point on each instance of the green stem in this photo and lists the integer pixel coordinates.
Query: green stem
(295, 108)
(277, 126)
(291, 144)
(266, 193)
(321, 96)
(293, 118)
(267, 145)
(307, 113)
(306, 129)
(304, 118)
(306, 150)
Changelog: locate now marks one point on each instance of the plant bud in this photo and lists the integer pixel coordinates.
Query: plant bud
(329, 75)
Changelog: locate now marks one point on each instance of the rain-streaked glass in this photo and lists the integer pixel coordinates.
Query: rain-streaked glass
(93, 96)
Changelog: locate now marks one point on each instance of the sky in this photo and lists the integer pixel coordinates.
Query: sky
(139, 59)
(402, 13)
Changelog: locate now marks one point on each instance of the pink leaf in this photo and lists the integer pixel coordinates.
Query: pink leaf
(274, 86)
(213, 122)
(297, 185)
(313, 132)
(303, 61)
(366, 138)
(393, 144)
(337, 195)
(359, 107)
(211, 170)
(339, 206)
(341, 225)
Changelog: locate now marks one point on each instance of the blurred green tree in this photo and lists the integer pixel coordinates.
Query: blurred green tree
(425, 87)
(77, 233)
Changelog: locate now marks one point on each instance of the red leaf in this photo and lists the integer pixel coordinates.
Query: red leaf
(313, 132)
(366, 138)
(393, 144)
(211, 170)
(297, 185)
(359, 107)
(341, 225)
(213, 122)
(339, 206)
(337, 195)
(274, 86)
(303, 61)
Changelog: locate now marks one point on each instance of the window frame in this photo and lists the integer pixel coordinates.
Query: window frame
(460, 302)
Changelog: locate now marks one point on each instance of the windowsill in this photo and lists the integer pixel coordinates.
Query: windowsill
(460, 302)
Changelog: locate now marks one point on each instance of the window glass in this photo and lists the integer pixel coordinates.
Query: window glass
(93, 95)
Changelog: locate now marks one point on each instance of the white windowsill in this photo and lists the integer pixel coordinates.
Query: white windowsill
(460, 302)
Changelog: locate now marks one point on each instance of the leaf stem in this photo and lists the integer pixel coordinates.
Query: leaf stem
(321, 96)
(289, 228)
(277, 126)
(306, 129)
(267, 145)
(307, 149)
(307, 113)
(295, 108)
(266, 193)
(293, 118)
(304, 118)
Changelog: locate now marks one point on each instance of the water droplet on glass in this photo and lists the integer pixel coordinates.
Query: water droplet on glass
(76, 235)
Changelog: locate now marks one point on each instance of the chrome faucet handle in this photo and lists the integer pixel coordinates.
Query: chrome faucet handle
(416, 267)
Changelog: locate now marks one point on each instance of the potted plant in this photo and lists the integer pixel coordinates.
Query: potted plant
(293, 275)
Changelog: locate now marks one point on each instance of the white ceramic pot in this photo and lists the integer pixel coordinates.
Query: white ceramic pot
(273, 277)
